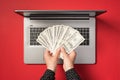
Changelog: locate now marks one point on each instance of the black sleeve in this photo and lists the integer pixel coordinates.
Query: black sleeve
(48, 75)
(71, 74)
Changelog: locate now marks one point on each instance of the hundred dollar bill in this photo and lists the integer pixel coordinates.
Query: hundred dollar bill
(58, 36)
(45, 36)
(55, 31)
(70, 31)
(42, 43)
(73, 42)
(62, 32)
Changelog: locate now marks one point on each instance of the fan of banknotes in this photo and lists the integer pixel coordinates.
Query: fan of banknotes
(58, 36)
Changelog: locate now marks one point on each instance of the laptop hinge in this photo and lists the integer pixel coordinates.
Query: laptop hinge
(59, 16)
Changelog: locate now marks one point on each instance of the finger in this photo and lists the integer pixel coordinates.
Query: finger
(57, 52)
(63, 52)
(72, 54)
(47, 52)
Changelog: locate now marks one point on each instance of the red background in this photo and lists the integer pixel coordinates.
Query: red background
(11, 39)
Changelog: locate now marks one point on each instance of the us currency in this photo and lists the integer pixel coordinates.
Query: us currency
(55, 30)
(62, 32)
(46, 36)
(70, 31)
(49, 37)
(58, 36)
(73, 42)
(41, 42)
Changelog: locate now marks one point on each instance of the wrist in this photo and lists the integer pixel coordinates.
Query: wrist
(52, 68)
(68, 68)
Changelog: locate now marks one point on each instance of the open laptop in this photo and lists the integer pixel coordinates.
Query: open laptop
(35, 21)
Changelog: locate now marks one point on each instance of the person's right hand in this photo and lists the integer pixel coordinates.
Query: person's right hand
(51, 60)
(68, 59)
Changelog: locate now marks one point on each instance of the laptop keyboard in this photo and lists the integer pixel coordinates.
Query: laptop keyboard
(34, 33)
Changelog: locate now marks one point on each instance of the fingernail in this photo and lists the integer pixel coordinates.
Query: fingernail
(62, 48)
(58, 49)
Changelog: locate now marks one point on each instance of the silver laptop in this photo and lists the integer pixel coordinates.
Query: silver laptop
(35, 21)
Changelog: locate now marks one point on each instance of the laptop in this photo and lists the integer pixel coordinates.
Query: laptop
(35, 21)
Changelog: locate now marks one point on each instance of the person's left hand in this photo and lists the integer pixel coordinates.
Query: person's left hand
(51, 60)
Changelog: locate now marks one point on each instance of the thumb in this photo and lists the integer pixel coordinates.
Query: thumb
(63, 52)
(46, 53)
(72, 54)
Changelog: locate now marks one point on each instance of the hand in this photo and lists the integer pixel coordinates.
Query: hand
(68, 59)
(51, 60)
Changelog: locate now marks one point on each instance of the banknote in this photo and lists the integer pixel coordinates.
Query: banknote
(61, 35)
(58, 36)
(74, 41)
